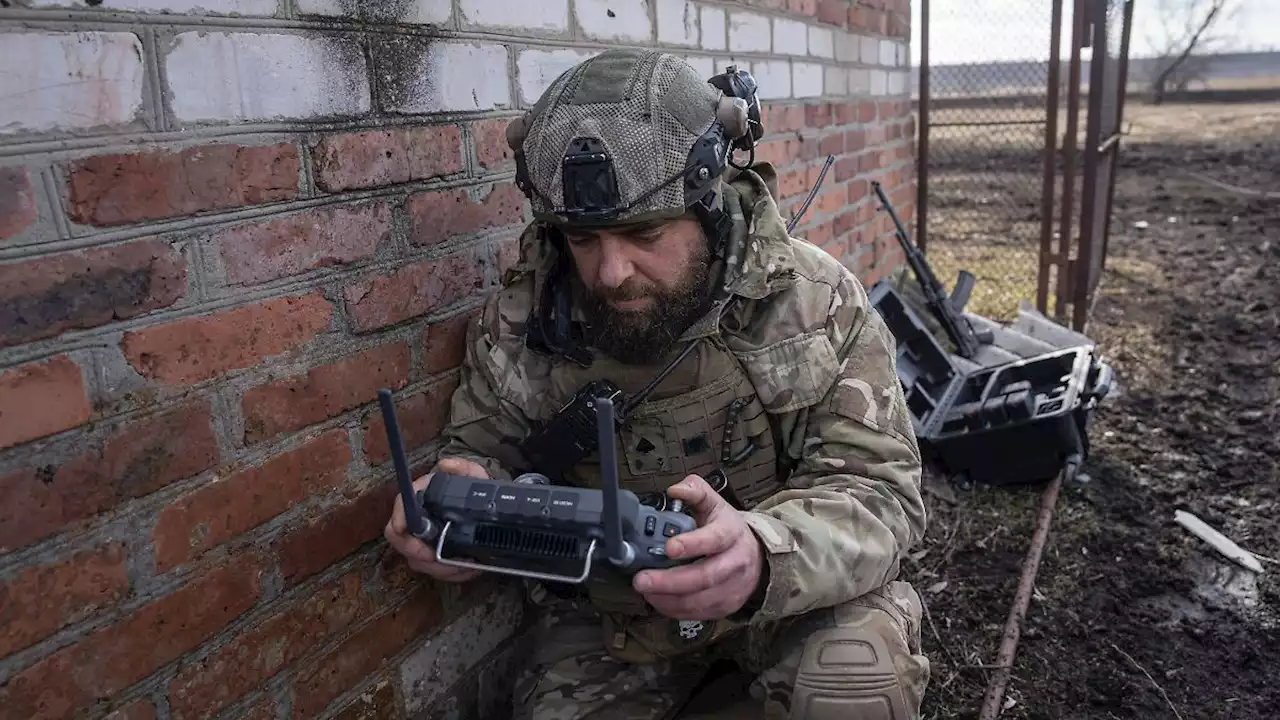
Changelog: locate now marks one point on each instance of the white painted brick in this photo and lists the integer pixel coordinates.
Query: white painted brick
(445, 657)
(898, 83)
(705, 66)
(888, 53)
(773, 78)
(432, 12)
(444, 88)
(537, 15)
(903, 57)
(806, 80)
(822, 42)
(261, 76)
(790, 37)
(677, 22)
(836, 81)
(614, 19)
(202, 7)
(749, 32)
(879, 82)
(848, 47)
(870, 50)
(714, 30)
(537, 69)
(859, 81)
(69, 81)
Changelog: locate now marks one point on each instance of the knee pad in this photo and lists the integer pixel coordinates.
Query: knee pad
(848, 672)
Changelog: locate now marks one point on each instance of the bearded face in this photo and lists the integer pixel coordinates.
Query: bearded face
(642, 286)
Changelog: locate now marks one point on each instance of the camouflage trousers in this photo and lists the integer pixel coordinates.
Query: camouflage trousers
(861, 660)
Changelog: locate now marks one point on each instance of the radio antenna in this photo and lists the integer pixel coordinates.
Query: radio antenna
(418, 525)
(618, 552)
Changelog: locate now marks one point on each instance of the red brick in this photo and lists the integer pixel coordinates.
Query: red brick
(228, 507)
(818, 115)
(49, 295)
(364, 652)
(387, 157)
(783, 118)
(202, 688)
(832, 144)
(41, 600)
(845, 222)
(309, 549)
(833, 12)
(445, 343)
(41, 398)
(325, 391)
(867, 111)
(264, 709)
(803, 7)
(822, 235)
(136, 710)
(492, 150)
(437, 215)
(846, 113)
(142, 457)
(421, 417)
(412, 290)
(109, 660)
(108, 190)
(845, 168)
(17, 202)
(312, 239)
(199, 348)
(792, 183)
(831, 200)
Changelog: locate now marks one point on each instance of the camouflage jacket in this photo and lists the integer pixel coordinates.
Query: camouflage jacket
(845, 503)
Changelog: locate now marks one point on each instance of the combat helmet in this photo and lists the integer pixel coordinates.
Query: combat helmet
(634, 135)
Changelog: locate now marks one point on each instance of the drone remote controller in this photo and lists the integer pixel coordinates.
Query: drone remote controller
(531, 528)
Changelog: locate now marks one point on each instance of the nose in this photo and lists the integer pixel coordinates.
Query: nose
(615, 266)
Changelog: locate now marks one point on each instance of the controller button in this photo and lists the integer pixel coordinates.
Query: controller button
(670, 530)
(650, 525)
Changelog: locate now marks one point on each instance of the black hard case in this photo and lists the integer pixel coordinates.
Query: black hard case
(1018, 422)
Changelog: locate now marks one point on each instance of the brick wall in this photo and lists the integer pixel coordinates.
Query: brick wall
(220, 234)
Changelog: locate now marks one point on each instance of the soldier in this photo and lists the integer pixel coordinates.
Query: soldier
(768, 405)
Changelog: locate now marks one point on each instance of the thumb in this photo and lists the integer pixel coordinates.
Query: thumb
(700, 496)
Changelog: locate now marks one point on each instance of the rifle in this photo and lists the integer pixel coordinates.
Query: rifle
(947, 309)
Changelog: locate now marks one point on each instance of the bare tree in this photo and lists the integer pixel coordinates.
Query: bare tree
(1188, 34)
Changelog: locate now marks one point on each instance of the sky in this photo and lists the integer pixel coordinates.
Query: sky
(962, 30)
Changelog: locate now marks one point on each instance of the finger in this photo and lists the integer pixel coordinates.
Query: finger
(698, 495)
(688, 579)
(709, 604)
(711, 539)
(461, 466)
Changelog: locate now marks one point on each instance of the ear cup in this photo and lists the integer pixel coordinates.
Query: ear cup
(731, 112)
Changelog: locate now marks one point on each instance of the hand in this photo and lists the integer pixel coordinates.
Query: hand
(728, 572)
(419, 556)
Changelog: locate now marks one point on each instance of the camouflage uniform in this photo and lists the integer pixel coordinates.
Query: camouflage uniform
(791, 392)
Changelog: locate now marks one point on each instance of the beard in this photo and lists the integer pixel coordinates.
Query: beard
(641, 337)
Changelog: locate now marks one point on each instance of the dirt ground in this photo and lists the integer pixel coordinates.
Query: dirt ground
(1133, 617)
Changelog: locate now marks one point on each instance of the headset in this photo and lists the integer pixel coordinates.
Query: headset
(591, 195)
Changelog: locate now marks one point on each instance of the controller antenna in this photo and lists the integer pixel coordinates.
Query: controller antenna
(418, 525)
(618, 552)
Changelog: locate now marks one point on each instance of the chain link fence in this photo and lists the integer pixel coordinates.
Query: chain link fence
(986, 138)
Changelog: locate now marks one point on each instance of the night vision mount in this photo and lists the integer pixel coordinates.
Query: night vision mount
(531, 528)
